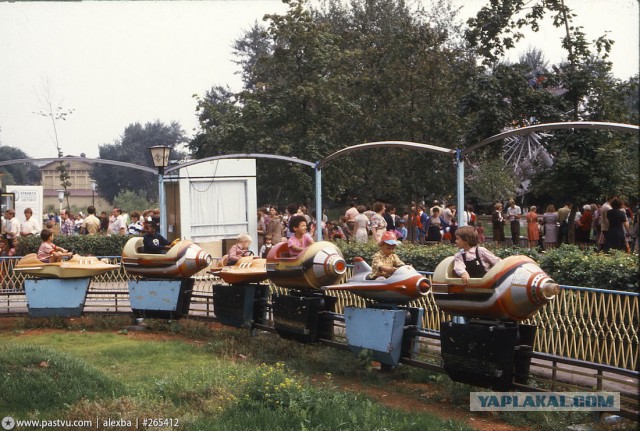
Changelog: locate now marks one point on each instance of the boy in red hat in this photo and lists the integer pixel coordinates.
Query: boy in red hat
(386, 260)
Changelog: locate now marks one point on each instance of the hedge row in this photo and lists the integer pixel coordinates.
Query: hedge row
(567, 265)
(94, 245)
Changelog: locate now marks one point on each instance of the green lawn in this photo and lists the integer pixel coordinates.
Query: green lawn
(226, 381)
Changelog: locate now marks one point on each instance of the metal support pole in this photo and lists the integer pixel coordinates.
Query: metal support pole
(318, 202)
(460, 181)
(163, 205)
(461, 220)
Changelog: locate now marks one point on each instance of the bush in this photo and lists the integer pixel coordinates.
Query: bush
(572, 266)
(96, 245)
(568, 264)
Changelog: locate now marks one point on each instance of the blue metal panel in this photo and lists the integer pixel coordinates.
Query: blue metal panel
(56, 297)
(161, 295)
(378, 330)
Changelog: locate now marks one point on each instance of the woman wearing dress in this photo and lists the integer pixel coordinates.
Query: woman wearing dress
(533, 229)
(550, 218)
(378, 223)
(361, 225)
(497, 220)
(618, 225)
(274, 226)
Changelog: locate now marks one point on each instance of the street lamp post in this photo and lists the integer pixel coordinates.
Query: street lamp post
(160, 157)
(60, 198)
(93, 193)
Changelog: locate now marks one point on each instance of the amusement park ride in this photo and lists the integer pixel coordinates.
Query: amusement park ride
(483, 343)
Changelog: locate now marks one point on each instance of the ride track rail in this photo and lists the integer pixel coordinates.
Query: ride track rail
(547, 373)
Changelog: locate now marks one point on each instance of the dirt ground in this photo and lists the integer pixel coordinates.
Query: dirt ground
(430, 398)
(402, 395)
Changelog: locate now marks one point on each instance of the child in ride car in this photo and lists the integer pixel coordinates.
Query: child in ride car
(239, 249)
(386, 260)
(472, 261)
(48, 251)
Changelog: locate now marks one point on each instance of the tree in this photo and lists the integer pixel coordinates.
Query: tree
(132, 147)
(588, 165)
(128, 201)
(318, 80)
(489, 182)
(57, 114)
(26, 174)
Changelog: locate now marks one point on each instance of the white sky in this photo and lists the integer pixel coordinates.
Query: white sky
(117, 63)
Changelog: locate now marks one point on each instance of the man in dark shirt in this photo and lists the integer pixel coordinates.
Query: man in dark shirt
(154, 243)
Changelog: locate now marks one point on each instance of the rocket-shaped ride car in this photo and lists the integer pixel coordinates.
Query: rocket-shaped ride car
(405, 285)
(514, 289)
(248, 269)
(182, 260)
(318, 265)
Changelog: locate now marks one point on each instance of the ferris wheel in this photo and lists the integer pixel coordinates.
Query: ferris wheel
(526, 154)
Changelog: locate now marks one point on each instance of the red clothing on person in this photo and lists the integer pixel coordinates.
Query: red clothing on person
(533, 229)
(45, 251)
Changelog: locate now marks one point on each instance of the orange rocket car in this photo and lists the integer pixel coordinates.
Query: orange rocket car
(182, 260)
(248, 269)
(514, 289)
(318, 265)
(406, 284)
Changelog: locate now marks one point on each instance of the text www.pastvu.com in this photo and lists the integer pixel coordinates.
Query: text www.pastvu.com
(8, 423)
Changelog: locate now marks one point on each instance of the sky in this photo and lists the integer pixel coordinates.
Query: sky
(118, 63)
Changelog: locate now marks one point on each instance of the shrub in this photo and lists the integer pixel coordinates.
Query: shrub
(568, 264)
(96, 245)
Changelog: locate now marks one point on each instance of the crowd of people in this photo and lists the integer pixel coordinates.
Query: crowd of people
(359, 224)
(611, 225)
(67, 224)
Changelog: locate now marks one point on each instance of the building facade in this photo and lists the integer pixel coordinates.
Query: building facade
(79, 195)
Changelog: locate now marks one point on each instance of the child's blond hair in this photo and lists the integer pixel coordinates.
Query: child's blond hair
(243, 237)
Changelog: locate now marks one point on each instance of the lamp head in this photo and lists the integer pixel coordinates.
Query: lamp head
(160, 156)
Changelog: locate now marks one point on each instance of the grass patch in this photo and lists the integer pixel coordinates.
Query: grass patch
(229, 381)
(223, 379)
(38, 378)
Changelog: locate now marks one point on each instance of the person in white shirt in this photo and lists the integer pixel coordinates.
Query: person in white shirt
(514, 213)
(29, 226)
(11, 230)
(117, 224)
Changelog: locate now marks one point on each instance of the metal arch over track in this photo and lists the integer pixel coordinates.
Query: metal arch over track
(241, 156)
(386, 144)
(620, 127)
(629, 128)
(153, 171)
(366, 146)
